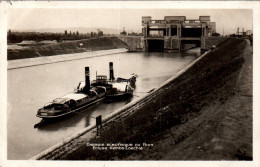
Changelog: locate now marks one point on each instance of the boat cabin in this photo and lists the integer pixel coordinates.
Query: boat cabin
(101, 79)
(61, 104)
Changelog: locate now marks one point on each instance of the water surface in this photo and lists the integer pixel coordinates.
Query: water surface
(32, 87)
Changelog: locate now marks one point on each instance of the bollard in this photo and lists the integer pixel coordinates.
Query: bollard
(99, 124)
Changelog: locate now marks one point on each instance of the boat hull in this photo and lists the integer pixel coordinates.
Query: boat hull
(79, 108)
(119, 96)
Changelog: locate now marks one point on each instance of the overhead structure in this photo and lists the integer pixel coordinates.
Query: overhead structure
(174, 31)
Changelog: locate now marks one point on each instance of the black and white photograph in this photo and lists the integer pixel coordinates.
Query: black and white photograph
(130, 83)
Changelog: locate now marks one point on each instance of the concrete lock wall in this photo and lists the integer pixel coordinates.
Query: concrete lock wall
(167, 43)
(175, 42)
(171, 43)
(135, 43)
(208, 42)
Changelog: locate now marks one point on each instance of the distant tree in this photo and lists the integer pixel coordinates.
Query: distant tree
(15, 37)
(92, 35)
(66, 33)
(123, 33)
(77, 33)
(215, 34)
(100, 33)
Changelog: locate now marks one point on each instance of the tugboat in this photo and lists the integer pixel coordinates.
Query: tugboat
(117, 89)
(83, 96)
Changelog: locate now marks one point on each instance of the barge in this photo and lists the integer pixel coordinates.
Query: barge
(84, 95)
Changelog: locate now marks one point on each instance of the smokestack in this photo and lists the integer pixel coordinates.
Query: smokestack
(87, 80)
(111, 71)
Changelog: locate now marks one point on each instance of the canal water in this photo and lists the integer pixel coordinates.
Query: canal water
(31, 87)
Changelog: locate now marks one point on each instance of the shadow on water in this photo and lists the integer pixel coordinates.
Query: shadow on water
(161, 54)
(68, 120)
(194, 52)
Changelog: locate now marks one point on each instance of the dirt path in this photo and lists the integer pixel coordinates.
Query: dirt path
(222, 130)
(233, 138)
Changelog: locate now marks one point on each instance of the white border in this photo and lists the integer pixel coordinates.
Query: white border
(255, 5)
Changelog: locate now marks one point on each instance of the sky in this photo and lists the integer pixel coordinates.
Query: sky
(226, 19)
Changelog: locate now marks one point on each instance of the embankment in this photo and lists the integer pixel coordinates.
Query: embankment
(21, 63)
(208, 42)
(134, 43)
(79, 46)
(181, 108)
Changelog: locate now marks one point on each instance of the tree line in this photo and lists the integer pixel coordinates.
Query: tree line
(16, 37)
